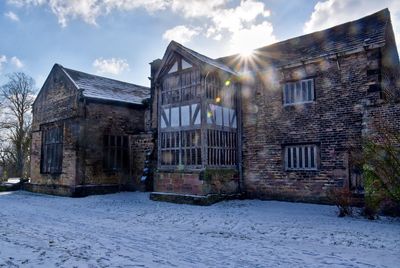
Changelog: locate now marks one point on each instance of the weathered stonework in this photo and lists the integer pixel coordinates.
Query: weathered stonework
(220, 182)
(333, 121)
(84, 123)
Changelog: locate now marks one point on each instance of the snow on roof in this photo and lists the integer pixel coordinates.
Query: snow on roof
(98, 87)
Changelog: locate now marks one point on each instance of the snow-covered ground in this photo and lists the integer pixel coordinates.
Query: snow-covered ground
(129, 230)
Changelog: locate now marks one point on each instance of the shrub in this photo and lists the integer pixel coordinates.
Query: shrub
(342, 198)
(381, 172)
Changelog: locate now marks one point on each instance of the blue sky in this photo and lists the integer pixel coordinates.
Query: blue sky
(118, 38)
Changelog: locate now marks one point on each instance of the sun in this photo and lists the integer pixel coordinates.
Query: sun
(246, 52)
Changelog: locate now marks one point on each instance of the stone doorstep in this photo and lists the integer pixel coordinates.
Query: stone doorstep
(199, 200)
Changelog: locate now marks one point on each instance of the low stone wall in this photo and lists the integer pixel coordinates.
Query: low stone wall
(72, 191)
(197, 183)
(179, 183)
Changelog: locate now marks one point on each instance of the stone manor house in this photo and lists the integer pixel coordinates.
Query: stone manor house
(279, 124)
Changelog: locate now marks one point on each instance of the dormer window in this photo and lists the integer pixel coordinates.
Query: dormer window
(298, 92)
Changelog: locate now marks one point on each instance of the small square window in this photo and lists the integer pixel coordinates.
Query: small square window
(301, 157)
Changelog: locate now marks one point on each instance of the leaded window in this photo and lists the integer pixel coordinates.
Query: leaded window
(181, 148)
(52, 150)
(115, 153)
(301, 91)
(181, 116)
(181, 86)
(221, 150)
(186, 139)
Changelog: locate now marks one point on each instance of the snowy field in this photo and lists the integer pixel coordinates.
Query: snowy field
(129, 230)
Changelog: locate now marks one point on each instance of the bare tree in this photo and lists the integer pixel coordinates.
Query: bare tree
(16, 99)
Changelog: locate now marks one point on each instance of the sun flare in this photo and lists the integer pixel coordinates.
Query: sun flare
(246, 52)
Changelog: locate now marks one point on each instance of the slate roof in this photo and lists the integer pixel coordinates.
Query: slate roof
(102, 88)
(203, 58)
(338, 39)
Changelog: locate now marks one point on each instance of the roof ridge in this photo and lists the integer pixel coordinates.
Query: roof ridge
(198, 55)
(119, 81)
(384, 11)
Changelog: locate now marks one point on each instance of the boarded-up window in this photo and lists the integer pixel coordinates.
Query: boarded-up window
(115, 153)
(52, 150)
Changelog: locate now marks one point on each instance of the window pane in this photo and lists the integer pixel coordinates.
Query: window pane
(306, 157)
(292, 91)
(218, 115)
(304, 91)
(185, 115)
(197, 117)
(312, 161)
(185, 65)
(163, 124)
(174, 68)
(286, 94)
(310, 90)
(175, 117)
(226, 116)
(298, 92)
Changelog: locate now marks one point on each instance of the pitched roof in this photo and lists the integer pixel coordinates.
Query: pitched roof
(347, 37)
(189, 53)
(102, 88)
(203, 58)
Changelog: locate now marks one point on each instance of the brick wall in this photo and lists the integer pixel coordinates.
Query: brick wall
(141, 149)
(107, 119)
(333, 122)
(197, 183)
(56, 104)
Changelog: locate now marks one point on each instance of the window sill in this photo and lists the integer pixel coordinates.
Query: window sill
(298, 103)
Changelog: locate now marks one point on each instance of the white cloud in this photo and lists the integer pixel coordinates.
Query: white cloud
(3, 60)
(181, 34)
(16, 62)
(12, 16)
(110, 66)
(197, 8)
(329, 13)
(239, 28)
(89, 10)
(245, 39)
(223, 21)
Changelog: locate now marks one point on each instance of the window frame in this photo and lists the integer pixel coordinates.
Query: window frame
(316, 157)
(122, 150)
(56, 149)
(178, 143)
(295, 102)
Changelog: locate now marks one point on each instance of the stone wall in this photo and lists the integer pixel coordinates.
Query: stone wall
(378, 118)
(107, 119)
(141, 150)
(57, 100)
(333, 122)
(56, 104)
(70, 156)
(224, 182)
